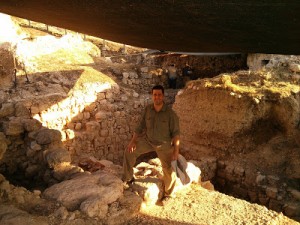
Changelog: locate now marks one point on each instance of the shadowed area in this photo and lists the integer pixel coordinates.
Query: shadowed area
(191, 25)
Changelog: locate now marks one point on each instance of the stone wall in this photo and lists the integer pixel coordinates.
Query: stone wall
(203, 65)
(145, 78)
(270, 190)
(27, 148)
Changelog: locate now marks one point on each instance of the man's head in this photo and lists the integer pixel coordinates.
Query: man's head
(158, 87)
(158, 94)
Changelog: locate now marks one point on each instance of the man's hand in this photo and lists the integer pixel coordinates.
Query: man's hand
(132, 144)
(131, 147)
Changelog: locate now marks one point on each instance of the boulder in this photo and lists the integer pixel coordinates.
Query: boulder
(13, 127)
(91, 193)
(21, 111)
(7, 109)
(31, 124)
(46, 136)
(56, 156)
(150, 189)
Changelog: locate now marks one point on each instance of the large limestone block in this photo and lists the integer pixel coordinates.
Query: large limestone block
(56, 156)
(150, 189)
(21, 111)
(7, 109)
(46, 136)
(31, 124)
(13, 127)
(149, 185)
(89, 192)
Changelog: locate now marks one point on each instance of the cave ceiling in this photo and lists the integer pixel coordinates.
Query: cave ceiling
(173, 25)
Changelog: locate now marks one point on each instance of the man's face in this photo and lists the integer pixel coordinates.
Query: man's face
(157, 97)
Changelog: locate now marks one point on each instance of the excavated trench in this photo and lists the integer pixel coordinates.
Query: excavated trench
(54, 123)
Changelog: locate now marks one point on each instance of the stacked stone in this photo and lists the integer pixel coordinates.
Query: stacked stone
(97, 120)
(104, 127)
(145, 79)
(268, 190)
(27, 146)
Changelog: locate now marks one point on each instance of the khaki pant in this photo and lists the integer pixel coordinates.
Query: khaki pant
(164, 153)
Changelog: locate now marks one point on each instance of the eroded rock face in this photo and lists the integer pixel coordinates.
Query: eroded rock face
(223, 116)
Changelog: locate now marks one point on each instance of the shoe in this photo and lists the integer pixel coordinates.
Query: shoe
(164, 200)
(130, 182)
(127, 184)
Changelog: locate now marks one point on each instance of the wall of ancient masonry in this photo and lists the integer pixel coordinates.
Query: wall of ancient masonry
(247, 183)
(27, 149)
(97, 121)
(269, 190)
(147, 77)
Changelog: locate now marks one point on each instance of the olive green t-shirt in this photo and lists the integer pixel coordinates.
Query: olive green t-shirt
(160, 127)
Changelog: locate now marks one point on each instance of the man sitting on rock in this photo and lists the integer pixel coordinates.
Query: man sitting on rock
(158, 131)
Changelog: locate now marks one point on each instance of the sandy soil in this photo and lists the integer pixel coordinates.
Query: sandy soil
(196, 205)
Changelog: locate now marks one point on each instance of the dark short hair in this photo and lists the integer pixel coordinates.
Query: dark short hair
(158, 87)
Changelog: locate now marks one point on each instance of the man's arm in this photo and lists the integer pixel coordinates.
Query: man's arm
(132, 144)
(176, 143)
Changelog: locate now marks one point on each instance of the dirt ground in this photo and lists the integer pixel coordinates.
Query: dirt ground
(197, 205)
